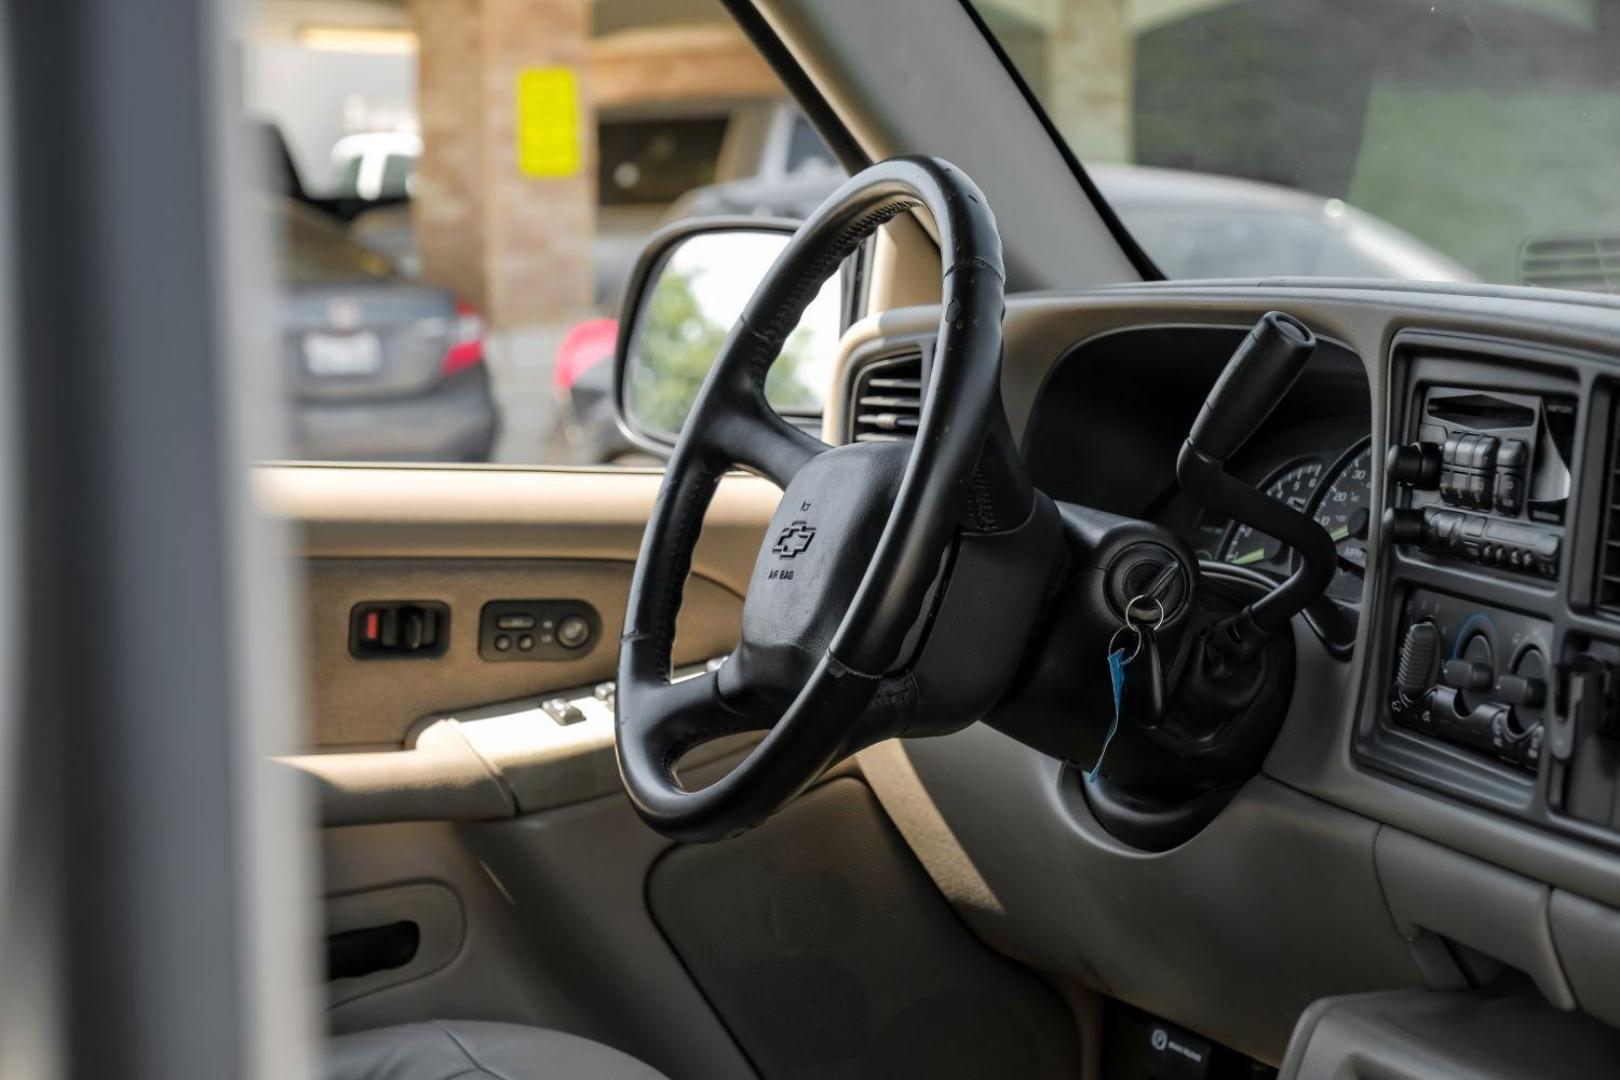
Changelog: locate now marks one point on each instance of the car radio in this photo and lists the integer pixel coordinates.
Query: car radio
(1487, 478)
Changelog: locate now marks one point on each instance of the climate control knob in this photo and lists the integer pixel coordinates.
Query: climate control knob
(1467, 675)
(1414, 674)
(1526, 685)
(1530, 693)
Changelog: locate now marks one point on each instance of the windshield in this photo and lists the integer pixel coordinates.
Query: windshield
(1441, 140)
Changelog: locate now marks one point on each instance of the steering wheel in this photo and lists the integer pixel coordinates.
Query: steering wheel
(857, 553)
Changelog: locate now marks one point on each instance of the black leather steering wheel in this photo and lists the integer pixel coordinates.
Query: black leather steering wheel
(854, 553)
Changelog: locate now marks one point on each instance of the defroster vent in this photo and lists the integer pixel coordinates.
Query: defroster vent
(1587, 263)
(886, 398)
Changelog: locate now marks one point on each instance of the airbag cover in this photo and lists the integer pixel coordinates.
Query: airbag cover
(814, 557)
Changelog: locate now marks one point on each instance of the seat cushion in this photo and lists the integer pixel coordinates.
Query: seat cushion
(441, 1049)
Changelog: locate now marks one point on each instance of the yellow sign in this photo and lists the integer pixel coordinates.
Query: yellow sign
(548, 122)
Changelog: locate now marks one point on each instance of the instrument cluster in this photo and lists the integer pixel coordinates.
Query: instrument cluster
(1335, 488)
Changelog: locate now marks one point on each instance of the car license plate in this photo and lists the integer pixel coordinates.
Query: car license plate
(343, 354)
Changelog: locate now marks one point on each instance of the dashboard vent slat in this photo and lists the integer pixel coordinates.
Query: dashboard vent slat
(1608, 583)
(886, 398)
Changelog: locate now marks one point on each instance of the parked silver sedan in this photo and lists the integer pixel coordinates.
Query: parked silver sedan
(381, 368)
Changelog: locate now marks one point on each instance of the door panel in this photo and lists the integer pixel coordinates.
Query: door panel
(395, 512)
(465, 537)
(473, 959)
(375, 702)
(528, 917)
(502, 842)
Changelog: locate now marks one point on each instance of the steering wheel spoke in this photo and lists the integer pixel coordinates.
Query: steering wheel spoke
(762, 442)
(677, 716)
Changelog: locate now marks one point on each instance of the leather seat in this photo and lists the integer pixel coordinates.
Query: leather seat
(465, 1049)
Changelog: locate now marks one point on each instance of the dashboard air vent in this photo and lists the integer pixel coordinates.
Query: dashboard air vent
(1588, 263)
(1608, 586)
(886, 398)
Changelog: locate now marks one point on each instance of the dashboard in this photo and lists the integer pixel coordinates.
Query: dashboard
(1314, 453)
(1394, 837)
(1490, 673)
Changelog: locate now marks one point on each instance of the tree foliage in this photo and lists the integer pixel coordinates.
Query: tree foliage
(677, 343)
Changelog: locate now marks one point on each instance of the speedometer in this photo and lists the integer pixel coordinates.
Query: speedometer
(1343, 507)
(1245, 546)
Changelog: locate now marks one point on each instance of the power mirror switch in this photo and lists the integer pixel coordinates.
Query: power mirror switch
(515, 622)
(518, 630)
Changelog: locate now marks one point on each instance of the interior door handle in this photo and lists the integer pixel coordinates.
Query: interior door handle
(354, 953)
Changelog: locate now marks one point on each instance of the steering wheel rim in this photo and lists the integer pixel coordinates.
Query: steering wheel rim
(731, 424)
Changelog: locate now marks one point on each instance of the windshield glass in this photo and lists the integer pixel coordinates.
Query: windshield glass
(1439, 140)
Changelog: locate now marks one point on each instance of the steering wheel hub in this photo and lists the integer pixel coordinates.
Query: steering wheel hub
(821, 540)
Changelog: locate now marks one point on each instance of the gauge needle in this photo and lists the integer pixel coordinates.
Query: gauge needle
(1339, 534)
(1257, 555)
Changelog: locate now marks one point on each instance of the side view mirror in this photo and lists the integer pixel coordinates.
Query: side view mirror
(691, 282)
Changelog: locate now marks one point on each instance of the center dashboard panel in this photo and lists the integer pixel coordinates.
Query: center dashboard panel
(1491, 671)
(1495, 657)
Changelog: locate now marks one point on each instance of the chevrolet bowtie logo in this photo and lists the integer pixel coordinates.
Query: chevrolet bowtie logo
(794, 540)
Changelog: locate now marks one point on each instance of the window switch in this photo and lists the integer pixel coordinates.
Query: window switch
(562, 710)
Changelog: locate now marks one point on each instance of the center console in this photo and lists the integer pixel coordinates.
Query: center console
(1496, 641)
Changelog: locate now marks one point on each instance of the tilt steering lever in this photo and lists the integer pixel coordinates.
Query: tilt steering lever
(1262, 369)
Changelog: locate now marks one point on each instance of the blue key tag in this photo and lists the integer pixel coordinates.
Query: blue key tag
(1117, 659)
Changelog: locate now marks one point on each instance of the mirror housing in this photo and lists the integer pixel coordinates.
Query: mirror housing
(670, 330)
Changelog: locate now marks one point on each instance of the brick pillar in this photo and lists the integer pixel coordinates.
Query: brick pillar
(510, 233)
(1088, 76)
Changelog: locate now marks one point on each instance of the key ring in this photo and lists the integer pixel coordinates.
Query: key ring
(1115, 638)
(1130, 624)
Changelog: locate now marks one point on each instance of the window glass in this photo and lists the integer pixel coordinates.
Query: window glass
(806, 150)
(460, 191)
(316, 250)
(396, 175)
(349, 181)
(1443, 140)
(656, 161)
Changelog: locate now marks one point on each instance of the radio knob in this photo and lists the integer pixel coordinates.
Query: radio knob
(1404, 526)
(1416, 465)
